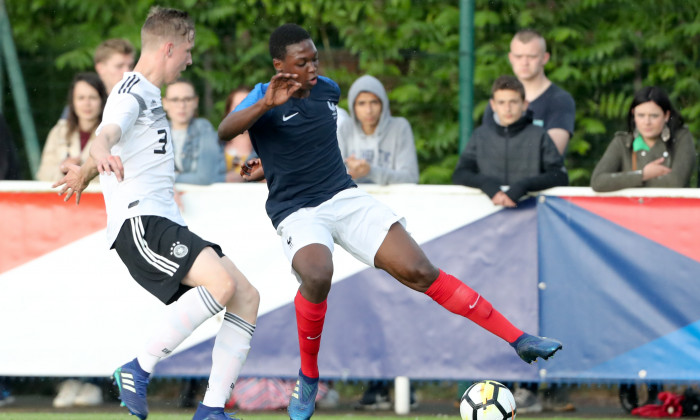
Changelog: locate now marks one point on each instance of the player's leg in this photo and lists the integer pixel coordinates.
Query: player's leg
(159, 255)
(232, 342)
(400, 256)
(308, 244)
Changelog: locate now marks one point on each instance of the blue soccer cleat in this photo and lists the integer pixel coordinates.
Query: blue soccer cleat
(211, 413)
(530, 347)
(132, 382)
(303, 400)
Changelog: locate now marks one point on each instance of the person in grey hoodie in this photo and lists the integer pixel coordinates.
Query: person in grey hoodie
(376, 147)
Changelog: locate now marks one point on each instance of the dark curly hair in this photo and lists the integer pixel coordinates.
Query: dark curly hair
(287, 34)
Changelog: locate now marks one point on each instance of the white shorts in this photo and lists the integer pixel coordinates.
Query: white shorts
(352, 218)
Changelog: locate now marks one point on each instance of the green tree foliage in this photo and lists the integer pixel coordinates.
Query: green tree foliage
(602, 51)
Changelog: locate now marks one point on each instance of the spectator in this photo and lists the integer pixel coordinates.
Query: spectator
(511, 157)
(68, 141)
(113, 58)
(655, 151)
(9, 166)
(552, 107)
(199, 155)
(376, 147)
(238, 148)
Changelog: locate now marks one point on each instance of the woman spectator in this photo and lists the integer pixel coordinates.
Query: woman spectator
(199, 155)
(656, 151)
(69, 140)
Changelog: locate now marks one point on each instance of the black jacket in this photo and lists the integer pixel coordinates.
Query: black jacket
(521, 156)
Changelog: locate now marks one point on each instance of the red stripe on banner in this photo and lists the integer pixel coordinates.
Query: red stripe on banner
(33, 224)
(672, 222)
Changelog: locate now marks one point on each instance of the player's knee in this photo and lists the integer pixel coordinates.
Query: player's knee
(318, 280)
(249, 295)
(223, 288)
(421, 273)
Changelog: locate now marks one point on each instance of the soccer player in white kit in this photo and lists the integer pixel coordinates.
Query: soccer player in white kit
(133, 155)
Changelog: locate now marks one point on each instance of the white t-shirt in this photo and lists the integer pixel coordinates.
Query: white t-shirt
(146, 151)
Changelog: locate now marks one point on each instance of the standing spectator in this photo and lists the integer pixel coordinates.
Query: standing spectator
(238, 148)
(376, 147)
(9, 165)
(113, 58)
(511, 157)
(69, 140)
(655, 151)
(552, 107)
(199, 155)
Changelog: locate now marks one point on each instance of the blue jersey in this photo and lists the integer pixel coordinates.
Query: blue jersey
(298, 147)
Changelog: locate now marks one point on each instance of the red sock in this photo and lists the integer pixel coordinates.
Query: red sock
(310, 317)
(460, 299)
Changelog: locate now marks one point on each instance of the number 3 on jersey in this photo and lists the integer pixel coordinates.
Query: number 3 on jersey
(163, 139)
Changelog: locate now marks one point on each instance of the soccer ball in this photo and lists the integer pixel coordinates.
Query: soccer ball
(487, 400)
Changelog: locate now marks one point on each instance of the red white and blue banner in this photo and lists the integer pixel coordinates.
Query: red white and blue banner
(615, 277)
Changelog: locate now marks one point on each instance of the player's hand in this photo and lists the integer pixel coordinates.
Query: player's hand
(72, 183)
(68, 161)
(252, 170)
(655, 169)
(111, 164)
(282, 86)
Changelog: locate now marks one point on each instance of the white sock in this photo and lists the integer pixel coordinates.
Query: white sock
(181, 318)
(230, 351)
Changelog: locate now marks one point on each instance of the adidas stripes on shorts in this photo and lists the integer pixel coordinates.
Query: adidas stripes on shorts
(159, 253)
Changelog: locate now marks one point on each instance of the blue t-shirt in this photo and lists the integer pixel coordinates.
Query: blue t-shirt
(298, 146)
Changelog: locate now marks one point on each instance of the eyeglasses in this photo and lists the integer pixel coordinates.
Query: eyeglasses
(186, 100)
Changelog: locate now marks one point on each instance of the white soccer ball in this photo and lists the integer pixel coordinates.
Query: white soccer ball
(487, 400)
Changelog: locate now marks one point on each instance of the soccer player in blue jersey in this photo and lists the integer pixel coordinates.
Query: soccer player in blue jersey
(313, 203)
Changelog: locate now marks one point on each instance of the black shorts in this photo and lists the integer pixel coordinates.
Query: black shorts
(159, 253)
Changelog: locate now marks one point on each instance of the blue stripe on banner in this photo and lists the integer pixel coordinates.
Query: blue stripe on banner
(609, 292)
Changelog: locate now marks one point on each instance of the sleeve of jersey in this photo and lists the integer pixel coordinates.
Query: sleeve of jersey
(254, 96)
(122, 110)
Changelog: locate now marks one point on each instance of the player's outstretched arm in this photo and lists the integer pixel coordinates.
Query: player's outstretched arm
(100, 151)
(281, 87)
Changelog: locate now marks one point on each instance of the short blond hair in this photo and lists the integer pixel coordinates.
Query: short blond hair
(527, 35)
(166, 23)
(108, 48)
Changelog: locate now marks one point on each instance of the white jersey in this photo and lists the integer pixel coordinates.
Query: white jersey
(146, 152)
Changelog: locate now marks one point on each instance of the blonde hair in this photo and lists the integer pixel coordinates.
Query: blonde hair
(165, 23)
(527, 35)
(110, 47)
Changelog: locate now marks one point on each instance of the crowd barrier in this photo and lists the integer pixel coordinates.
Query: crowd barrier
(614, 276)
